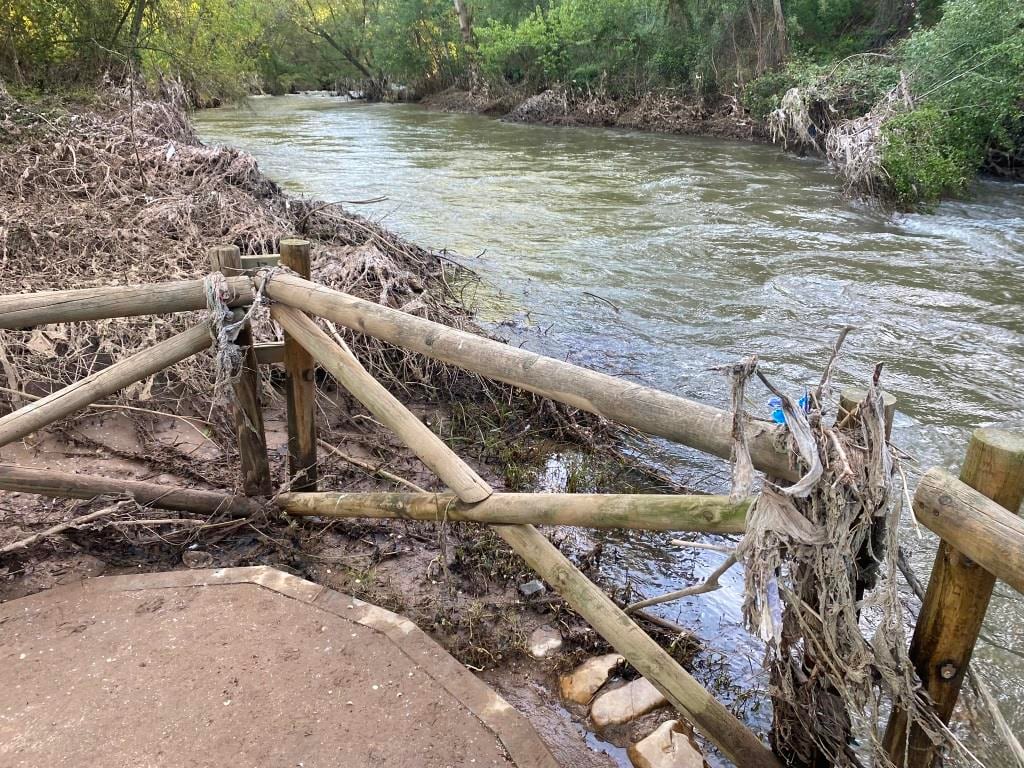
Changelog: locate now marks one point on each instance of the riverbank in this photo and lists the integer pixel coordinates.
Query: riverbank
(653, 112)
(120, 191)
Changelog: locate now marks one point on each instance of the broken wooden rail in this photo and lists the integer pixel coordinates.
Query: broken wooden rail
(981, 539)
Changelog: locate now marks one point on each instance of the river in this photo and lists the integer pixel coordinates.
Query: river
(657, 258)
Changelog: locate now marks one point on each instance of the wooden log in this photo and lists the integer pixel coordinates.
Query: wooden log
(98, 385)
(66, 485)
(247, 407)
(300, 386)
(649, 410)
(958, 593)
(26, 310)
(852, 397)
(682, 690)
(706, 514)
(975, 525)
(348, 371)
(717, 723)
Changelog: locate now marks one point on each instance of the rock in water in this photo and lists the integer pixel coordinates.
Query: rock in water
(669, 746)
(544, 641)
(626, 703)
(582, 683)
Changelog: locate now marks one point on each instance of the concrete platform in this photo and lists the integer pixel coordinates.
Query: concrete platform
(238, 667)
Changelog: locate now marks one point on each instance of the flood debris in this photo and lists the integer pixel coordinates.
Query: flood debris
(833, 656)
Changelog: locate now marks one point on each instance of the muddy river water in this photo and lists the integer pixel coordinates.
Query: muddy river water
(657, 258)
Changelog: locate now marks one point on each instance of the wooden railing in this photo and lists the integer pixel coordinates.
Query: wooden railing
(969, 520)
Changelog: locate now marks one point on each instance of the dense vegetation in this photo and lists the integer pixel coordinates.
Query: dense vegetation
(958, 65)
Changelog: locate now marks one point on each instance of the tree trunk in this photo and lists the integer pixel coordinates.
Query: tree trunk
(782, 44)
(135, 31)
(465, 21)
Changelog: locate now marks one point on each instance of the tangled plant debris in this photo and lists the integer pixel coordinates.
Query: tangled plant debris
(128, 195)
(820, 560)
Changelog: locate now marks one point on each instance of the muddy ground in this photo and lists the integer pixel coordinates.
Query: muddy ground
(655, 112)
(458, 582)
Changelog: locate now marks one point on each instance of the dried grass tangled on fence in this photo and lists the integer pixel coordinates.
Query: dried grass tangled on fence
(127, 195)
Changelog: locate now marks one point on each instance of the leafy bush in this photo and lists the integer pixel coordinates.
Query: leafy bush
(928, 154)
(967, 77)
(849, 88)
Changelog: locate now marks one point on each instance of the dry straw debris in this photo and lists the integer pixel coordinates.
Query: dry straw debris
(126, 194)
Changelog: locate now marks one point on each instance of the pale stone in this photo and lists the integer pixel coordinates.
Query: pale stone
(544, 641)
(582, 683)
(626, 703)
(669, 746)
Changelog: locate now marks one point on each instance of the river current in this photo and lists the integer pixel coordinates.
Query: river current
(658, 258)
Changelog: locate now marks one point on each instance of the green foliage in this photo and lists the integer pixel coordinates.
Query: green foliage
(964, 59)
(585, 42)
(851, 87)
(967, 77)
(929, 154)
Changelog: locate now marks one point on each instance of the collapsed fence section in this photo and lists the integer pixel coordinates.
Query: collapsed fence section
(982, 539)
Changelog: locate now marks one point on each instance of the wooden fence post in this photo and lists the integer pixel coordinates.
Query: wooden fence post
(300, 367)
(247, 407)
(957, 597)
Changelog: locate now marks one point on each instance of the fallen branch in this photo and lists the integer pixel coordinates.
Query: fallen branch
(370, 468)
(710, 585)
(73, 523)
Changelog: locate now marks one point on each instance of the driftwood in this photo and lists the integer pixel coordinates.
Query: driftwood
(708, 514)
(67, 485)
(25, 310)
(35, 538)
(64, 402)
(710, 584)
(371, 468)
(649, 410)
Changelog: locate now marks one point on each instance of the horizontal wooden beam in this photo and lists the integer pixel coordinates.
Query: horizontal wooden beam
(269, 353)
(67, 485)
(981, 529)
(96, 386)
(25, 310)
(707, 514)
(657, 413)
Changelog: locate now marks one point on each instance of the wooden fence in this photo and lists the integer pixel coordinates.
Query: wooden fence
(982, 539)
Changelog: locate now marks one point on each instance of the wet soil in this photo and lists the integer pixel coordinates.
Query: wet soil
(457, 582)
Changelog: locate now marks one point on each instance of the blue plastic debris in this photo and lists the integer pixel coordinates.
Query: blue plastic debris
(779, 416)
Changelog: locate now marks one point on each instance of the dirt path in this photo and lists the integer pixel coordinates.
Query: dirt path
(272, 670)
